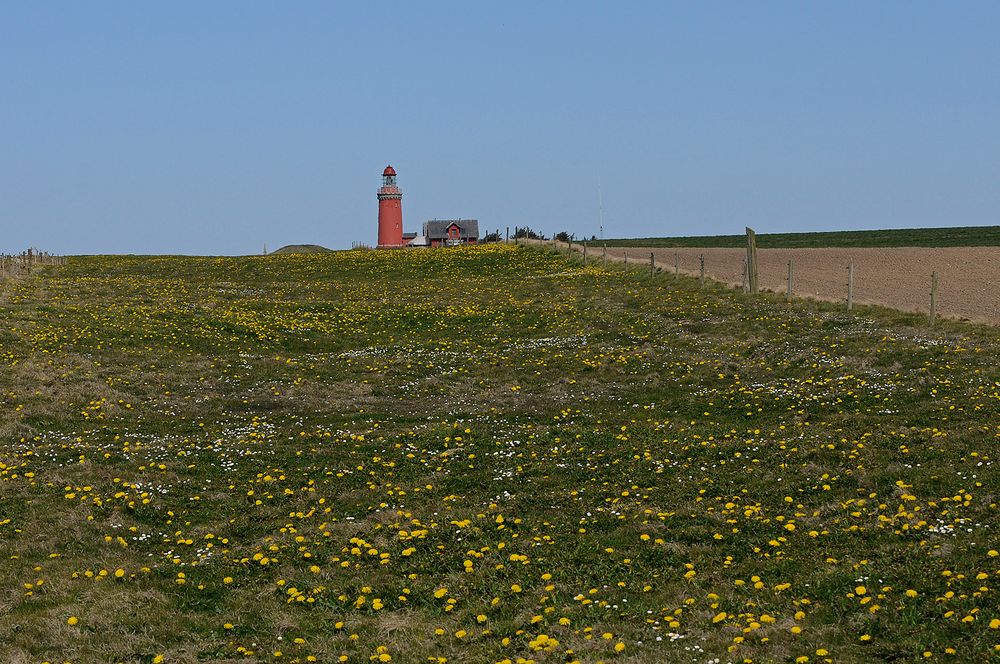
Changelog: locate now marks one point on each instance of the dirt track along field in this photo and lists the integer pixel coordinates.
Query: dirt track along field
(898, 277)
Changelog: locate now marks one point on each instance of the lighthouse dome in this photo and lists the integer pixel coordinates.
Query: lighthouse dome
(389, 170)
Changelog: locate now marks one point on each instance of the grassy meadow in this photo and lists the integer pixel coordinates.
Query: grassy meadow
(486, 454)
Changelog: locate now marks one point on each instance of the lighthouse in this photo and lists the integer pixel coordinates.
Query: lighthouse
(390, 211)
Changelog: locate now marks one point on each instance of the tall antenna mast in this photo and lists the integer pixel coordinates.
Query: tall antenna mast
(600, 206)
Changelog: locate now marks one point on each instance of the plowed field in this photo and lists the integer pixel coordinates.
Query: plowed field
(896, 277)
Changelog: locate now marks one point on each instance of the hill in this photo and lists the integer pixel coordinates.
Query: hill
(484, 454)
(965, 236)
(301, 249)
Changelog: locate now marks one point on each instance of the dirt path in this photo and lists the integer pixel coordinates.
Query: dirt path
(898, 277)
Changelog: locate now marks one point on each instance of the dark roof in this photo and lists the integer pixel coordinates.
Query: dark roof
(438, 228)
(408, 235)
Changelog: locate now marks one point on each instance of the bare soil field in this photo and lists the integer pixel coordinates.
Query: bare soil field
(898, 277)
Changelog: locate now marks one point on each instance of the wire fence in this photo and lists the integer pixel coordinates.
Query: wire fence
(26, 261)
(953, 282)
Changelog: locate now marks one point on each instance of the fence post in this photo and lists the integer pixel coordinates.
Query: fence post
(788, 295)
(934, 288)
(604, 258)
(752, 259)
(652, 265)
(746, 286)
(701, 270)
(850, 286)
(626, 260)
(677, 265)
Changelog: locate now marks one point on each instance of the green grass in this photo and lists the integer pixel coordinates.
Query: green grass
(496, 443)
(965, 236)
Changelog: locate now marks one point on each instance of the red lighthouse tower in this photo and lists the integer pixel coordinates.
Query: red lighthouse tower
(390, 211)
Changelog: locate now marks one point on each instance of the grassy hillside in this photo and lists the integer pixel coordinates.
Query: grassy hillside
(484, 454)
(301, 249)
(967, 236)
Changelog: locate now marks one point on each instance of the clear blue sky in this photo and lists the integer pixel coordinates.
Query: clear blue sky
(216, 127)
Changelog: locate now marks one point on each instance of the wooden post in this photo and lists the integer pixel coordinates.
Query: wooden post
(850, 286)
(746, 286)
(652, 265)
(677, 265)
(788, 295)
(626, 259)
(507, 236)
(752, 259)
(604, 258)
(934, 288)
(701, 270)
(584, 253)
